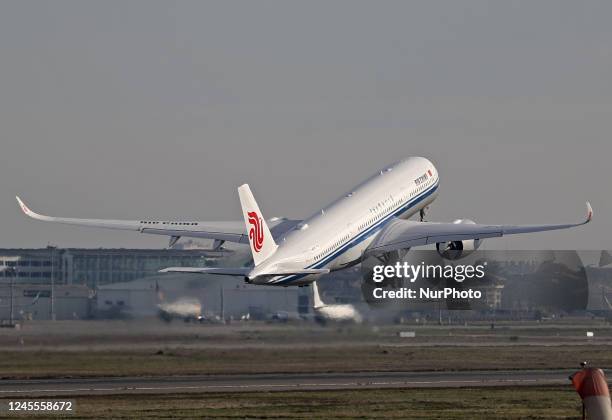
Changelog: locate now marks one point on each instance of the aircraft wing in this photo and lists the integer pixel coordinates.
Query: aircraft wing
(232, 231)
(403, 234)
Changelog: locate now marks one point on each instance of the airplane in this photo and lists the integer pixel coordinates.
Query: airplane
(185, 308)
(32, 303)
(339, 312)
(370, 218)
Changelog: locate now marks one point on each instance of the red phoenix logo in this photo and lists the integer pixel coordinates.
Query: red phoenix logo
(256, 232)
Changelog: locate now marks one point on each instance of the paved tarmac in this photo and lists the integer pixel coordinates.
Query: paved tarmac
(278, 382)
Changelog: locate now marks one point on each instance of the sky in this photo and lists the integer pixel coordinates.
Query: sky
(160, 109)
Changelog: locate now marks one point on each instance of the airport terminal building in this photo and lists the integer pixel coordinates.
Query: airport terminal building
(62, 283)
(73, 283)
(97, 267)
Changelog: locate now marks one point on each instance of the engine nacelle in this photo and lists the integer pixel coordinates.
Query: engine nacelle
(455, 250)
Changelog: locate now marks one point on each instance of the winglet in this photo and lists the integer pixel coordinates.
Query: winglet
(24, 208)
(589, 212)
(27, 211)
(33, 214)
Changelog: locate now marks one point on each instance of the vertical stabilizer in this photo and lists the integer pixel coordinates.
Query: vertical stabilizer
(260, 238)
(317, 302)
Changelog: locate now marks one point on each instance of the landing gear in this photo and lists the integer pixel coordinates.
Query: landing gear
(422, 213)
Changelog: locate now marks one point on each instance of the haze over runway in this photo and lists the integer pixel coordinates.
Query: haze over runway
(158, 109)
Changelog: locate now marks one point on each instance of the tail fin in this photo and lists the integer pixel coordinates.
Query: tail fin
(260, 238)
(317, 302)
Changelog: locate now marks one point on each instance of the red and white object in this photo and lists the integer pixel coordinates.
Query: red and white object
(591, 385)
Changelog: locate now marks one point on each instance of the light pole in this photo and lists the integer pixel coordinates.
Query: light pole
(13, 272)
(52, 249)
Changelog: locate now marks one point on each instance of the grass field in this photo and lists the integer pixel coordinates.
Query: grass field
(34, 364)
(153, 333)
(93, 348)
(446, 403)
(86, 349)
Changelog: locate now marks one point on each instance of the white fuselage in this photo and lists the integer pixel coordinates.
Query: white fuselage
(336, 236)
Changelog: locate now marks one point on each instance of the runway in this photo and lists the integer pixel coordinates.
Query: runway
(278, 382)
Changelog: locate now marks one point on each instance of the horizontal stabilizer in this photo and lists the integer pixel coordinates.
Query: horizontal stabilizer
(245, 271)
(282, 271)
(221, 271)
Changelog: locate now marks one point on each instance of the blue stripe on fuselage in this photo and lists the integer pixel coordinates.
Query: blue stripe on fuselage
(363, 235)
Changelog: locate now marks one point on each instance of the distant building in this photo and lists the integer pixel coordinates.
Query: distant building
(222, 297)
(493, 296)
(95, 267)
(125, 282)
(33, 301)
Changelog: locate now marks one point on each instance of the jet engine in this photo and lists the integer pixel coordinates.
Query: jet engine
(455, 250)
